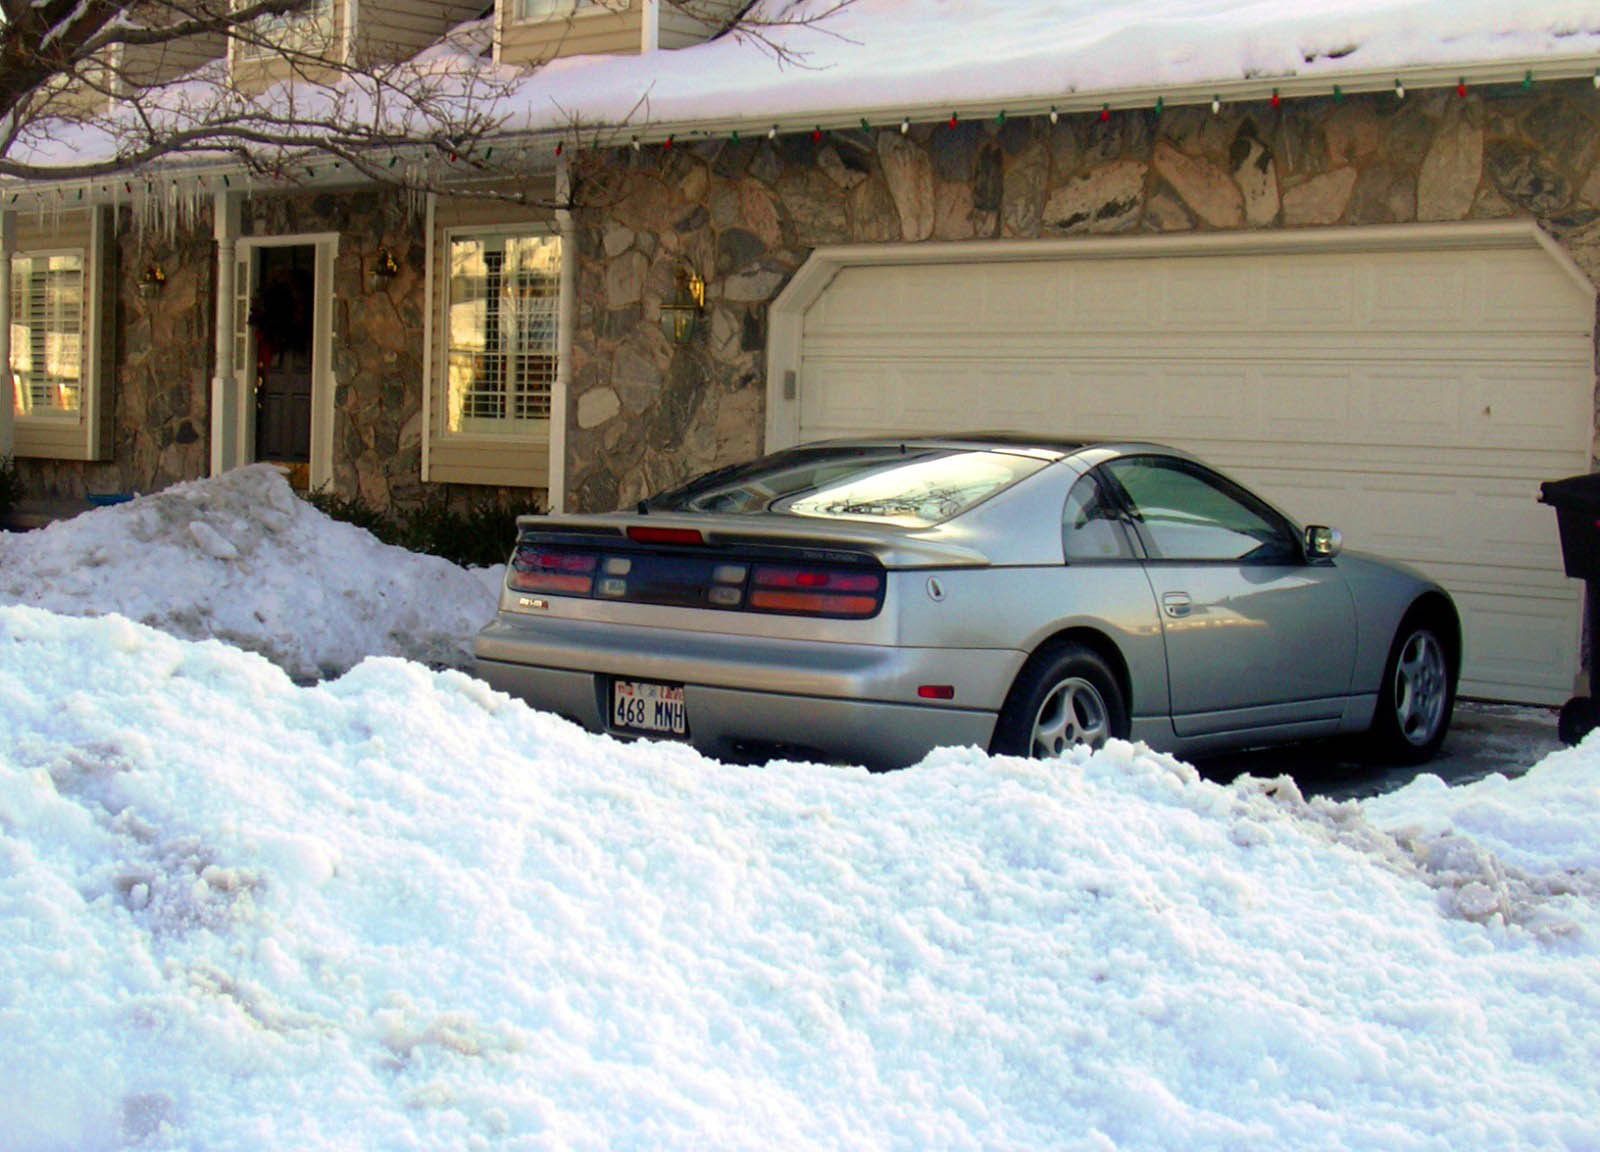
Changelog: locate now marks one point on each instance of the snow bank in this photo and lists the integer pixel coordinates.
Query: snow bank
(241, 558)
(400, 910)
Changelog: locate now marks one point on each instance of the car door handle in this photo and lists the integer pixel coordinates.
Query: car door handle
(1176, 603)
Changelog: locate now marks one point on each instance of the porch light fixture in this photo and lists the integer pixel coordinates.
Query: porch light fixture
(679, 315)
(151, 281)
(384, 269)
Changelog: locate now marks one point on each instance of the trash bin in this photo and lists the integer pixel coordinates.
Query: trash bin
(1577, 503)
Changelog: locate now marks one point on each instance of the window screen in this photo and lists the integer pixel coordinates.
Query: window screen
(47, 333)
(502, 329)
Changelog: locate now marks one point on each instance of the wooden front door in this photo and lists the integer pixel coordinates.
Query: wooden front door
(281, 316)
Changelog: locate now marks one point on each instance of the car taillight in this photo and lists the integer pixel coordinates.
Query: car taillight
(540, 569)
(815, 591)
(691, 536)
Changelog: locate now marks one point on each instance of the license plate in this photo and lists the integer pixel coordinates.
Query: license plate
(640, 706)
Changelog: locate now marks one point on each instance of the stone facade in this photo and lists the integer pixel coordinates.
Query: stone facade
(645, 413)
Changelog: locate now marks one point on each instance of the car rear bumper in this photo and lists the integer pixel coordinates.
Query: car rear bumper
(750, 698)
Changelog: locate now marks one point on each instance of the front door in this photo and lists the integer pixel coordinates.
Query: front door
(281, 317)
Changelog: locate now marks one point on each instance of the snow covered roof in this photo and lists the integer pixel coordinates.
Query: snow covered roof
(884, 60)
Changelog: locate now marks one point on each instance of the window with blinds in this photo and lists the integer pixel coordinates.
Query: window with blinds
(501, 329)
(47, 333)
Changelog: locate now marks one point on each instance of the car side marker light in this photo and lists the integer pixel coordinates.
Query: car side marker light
(937, 691)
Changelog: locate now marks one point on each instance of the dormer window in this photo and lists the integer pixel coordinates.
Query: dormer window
(309, 30)
(540, 11)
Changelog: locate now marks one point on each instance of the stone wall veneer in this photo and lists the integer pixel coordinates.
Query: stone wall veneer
(644, 413)
(746, 215)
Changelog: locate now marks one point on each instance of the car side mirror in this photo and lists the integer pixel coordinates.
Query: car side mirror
(1323, 543)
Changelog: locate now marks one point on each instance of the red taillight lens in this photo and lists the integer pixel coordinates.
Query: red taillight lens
(816, 592)
(535, 569)
(644, 535)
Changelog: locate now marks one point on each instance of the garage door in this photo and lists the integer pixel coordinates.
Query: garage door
(1413, 394)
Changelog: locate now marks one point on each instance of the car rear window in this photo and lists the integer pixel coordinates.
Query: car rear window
(910, 486)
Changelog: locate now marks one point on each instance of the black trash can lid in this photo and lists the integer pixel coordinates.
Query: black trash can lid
(1574, 492)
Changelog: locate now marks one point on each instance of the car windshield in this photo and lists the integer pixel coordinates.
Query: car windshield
(913, 486)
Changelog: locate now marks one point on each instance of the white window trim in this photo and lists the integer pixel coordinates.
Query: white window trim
(536, 431)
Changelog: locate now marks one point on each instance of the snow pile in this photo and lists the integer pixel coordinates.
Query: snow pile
(400, 910)
(241, 558)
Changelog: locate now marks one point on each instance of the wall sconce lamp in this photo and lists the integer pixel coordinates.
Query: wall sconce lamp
(679, 315)
(384, 269)
(151, 281)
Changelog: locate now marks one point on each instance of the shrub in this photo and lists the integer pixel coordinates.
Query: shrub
(10, 488)
(481, 533)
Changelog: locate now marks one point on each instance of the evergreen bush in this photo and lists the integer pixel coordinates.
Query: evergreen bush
(481, 533)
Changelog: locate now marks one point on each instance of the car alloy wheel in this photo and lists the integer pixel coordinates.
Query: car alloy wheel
(1418, 694)
(1073, 712)
(1066, 694)
(1421, 680)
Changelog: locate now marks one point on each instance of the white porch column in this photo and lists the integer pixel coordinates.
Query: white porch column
(650, 27)
(567, 316)
(224, 385)
(8, 399)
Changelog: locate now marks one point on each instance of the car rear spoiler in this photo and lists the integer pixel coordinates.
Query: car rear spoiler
(892, 547)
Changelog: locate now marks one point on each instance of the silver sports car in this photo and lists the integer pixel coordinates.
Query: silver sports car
(868, 600)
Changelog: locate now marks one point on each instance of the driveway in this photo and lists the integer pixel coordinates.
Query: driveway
(1483, 739)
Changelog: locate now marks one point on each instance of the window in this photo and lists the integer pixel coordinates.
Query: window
(540, 10)
(308, 31)
(1091, 529)
(47, 334)
(501, 329)
(916, 488)
(1187, 513)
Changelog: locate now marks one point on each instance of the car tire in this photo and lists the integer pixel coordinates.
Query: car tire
(1065, 695)
(1417, 694)
(1578, 718)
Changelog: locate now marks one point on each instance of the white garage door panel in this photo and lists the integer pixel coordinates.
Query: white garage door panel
(1414, 399)
(1513, 643)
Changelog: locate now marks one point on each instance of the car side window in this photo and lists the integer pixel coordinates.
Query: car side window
(1091, 527)
(1188, 513)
